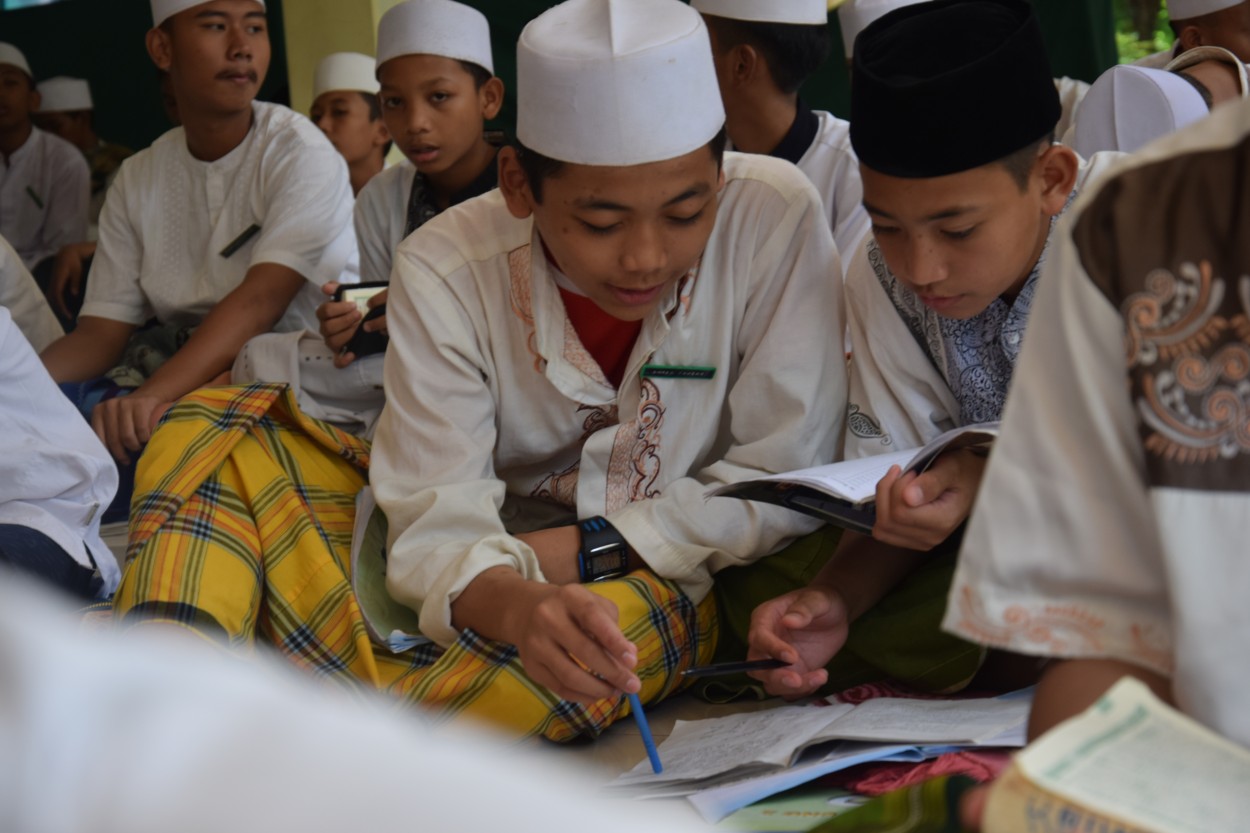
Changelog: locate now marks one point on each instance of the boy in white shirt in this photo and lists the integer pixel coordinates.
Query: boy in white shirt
(45, 186)
(438, 88)
(346, 108)
(20, 295)
(55, 478)
(224, 227)
(764, 52)
(575, 360)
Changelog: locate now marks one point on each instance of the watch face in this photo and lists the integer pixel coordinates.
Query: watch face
(608, 562)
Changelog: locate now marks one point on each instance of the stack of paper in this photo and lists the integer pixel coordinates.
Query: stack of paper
(728, 762)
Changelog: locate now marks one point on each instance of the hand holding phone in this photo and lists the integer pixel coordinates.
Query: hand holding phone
(343, 319)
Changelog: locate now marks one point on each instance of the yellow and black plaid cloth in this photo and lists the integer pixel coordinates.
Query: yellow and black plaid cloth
(240, 531)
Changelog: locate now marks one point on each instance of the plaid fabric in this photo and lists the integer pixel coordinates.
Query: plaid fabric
(241, 532)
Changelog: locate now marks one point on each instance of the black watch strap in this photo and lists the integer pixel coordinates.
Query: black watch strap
(603, 554)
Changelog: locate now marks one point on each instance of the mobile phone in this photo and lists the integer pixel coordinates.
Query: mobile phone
(365, 343)
(359, 293)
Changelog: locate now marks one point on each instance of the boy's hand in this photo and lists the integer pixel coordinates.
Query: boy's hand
(920, 511)
(339, 320)
(124, 424)
(67, 272)
(805, 628)
(569, 641)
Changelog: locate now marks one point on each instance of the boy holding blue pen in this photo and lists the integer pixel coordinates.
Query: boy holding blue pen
(633, 317)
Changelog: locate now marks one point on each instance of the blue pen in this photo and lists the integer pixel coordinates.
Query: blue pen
(635, 706)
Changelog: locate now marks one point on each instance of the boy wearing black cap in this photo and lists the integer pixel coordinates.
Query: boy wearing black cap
(937, 305)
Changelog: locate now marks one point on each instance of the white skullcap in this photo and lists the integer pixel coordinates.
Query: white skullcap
(1185, 9)
(345, 71)
(617, 82)
(805, 12)
(64, 95)
(435, 27)
(162, 10)
(1128, 106)
(854, 16)
(11, 55)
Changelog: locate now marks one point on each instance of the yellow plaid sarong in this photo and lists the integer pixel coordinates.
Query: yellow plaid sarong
(241, 530)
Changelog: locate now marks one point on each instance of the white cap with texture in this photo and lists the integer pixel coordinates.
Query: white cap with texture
(1185, 9)
(803, 12)
(1129, 106)
(162, 10)
(11, 55)
(64, 95)
(854, 16)
(435, 27)
(617, 82)
(345, 71)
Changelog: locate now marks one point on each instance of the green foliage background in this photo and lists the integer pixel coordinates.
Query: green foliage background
(1127, 44)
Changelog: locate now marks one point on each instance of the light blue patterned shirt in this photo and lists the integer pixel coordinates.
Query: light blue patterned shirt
(976, 356)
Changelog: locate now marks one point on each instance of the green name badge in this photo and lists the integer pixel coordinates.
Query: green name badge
(672, 371)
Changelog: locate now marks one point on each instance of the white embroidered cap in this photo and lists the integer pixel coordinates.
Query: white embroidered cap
(1129, 106)
(617, 82)
(64, 95)
(345, 71)
(11, 55)
(805, 12)
(162, 10)
(435, 27)
(854, 16)
(1185, 9)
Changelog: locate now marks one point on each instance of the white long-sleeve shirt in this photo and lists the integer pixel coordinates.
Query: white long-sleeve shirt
(21, 296)
(45, 191)
(832, 166)
(497, 419)
(55, 474)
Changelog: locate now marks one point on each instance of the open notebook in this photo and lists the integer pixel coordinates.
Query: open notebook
(845, 493)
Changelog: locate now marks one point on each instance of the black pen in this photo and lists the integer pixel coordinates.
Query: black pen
(734, 667)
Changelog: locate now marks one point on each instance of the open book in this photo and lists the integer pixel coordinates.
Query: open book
(1128, 763)
(845, 493)
(703, 753)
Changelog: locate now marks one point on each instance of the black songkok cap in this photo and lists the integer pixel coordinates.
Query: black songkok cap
(950, 85)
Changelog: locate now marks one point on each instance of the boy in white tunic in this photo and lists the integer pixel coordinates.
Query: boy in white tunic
(576, 359)
(225, 227)
(45, 186)
(20, 295)
(437, 89)
(937, 303)
(346, 108)
(55, 477)
(1113, 523)
(764, 52)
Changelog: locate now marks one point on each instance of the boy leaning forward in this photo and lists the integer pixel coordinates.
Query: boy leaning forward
(575, 360)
